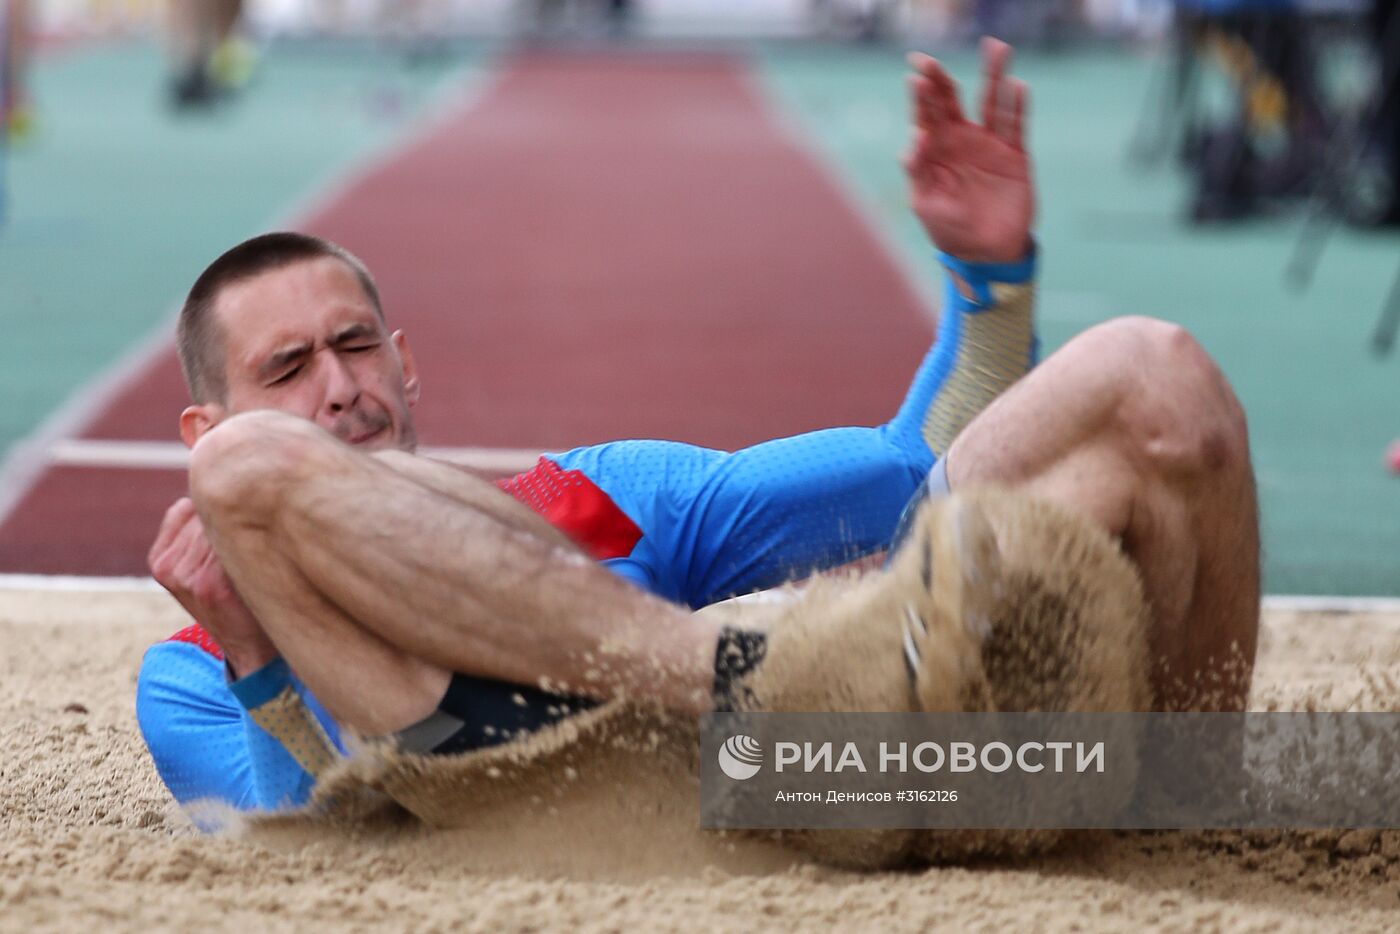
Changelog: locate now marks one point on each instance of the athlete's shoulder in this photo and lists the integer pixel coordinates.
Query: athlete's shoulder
(187, 664)
(197, 636)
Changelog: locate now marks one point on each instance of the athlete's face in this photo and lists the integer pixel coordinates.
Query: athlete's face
(305, 339)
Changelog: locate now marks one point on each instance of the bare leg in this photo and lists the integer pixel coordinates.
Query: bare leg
(17, 53)
(1132, 424)
(470, 490)
(187, 25)
(339, 555)
(225, 16)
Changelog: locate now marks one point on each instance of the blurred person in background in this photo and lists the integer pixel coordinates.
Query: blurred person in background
(548, 19)
(544, 17)
(619, 14)
(1026, 22)
(16, 112)
(862, 20)
(1039, 22)
(208, 57)
(1275, 143)
(1278, 143)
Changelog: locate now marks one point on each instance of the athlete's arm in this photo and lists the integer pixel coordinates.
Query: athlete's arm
(205, 742)
(702, 525)
(706, 524)
(221, 713)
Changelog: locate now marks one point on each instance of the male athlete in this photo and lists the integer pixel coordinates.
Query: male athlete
(343, 583)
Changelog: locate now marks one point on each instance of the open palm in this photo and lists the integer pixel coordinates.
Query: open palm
(970, 184)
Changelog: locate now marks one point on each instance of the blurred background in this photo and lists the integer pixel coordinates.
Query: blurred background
(685, 218)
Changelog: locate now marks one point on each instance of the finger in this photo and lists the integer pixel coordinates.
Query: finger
(1003, 125)
(188, 547)
(917, 155)
(947, 90)
(1016, 129)
(924, 106)
(920, 61)
(996, 55)
(176, 518)
(210, 572)
(941, 89)
(186, 553)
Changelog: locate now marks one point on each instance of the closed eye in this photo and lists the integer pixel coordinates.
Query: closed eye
(359, 348)
(285, 377)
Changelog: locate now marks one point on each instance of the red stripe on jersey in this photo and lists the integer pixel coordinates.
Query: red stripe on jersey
(574, 505)
(195, 635)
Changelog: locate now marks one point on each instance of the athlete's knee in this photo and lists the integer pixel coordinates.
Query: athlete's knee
(242, 466)
(400, 461)
(1142, 347)
(1179, 410)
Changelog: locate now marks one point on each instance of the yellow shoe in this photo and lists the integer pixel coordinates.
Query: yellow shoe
(19, 124)
(233, 63)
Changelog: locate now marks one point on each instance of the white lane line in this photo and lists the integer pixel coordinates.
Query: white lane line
(64, 583)
(171, 455)
(29, 457)
(1305, 603)
(148, 455)
(490, 460)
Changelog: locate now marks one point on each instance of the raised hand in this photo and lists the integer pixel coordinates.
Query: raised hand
(970, 184)
(184, 563)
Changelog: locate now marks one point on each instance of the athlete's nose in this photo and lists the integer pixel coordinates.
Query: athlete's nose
(342, 388)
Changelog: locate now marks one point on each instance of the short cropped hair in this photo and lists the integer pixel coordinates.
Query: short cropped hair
(198, 337)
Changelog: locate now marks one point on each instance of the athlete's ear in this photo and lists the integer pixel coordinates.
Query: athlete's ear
(412, 388)
(198, 419)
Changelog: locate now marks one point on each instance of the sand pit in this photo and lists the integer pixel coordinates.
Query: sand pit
(90, 838)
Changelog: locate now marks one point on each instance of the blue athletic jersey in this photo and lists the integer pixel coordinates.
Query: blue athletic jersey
(690, 524)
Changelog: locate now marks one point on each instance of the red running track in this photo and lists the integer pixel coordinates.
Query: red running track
(597, 248)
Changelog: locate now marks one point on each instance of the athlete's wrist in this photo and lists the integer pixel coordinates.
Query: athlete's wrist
(246, 658)
(257, 686)
(1008, 268)
(973, 280)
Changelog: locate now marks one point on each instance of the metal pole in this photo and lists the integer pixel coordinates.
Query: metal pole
(1348, 150)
